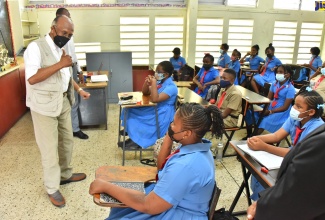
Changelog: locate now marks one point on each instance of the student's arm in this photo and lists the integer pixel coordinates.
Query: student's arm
(316, 73)
(155, 97)
(213, 82)
(145, 86)
(261, 142)
(284, 107)
(165, 151)
(80, 91)
(243, 59)
(226, 112)
(151, 204)
(196, 81)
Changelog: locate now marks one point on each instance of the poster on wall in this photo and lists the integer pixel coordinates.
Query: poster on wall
(5, 33)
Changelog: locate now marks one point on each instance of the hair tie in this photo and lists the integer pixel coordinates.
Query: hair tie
(309, 89)
(320, 106)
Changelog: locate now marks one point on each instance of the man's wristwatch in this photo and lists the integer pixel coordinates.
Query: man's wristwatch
(80, 89)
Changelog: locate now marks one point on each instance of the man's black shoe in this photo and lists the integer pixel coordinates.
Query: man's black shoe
(80, 135)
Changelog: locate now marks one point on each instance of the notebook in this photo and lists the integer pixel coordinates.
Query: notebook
(105, 198)
(270, 161)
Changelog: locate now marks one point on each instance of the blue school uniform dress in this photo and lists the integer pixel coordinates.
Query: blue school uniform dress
(268, 76)
(141, 122)
(223, 60)
(177, 64)
(316, 62)
(210, 75)
(186, 182)
(235, 65)
(289, 126)
(254, 63)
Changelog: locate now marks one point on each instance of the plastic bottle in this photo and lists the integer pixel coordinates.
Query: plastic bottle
(219, 151)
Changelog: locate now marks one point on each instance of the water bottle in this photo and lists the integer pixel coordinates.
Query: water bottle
(219, 151)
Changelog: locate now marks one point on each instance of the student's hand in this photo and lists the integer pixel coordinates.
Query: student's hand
(251, 211)
(84, 94)
(248, 53)
(98, 186)
(147, 81)
(65, 60)
(152, 81)
(255, 143)
(200, 87)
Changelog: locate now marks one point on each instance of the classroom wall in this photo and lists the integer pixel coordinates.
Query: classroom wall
(102, 24)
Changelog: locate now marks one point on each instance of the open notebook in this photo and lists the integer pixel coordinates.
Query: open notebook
(105, 198)
(270, 161)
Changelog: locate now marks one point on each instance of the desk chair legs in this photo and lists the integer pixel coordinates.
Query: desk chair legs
(229, 138)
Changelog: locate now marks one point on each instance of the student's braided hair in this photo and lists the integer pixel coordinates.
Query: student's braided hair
(313, 100)
(200, 120)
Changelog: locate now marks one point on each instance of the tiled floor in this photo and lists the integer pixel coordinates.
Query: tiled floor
(22, 194)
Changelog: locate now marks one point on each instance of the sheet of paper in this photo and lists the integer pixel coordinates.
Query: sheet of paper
(99, 78)
(270, 161)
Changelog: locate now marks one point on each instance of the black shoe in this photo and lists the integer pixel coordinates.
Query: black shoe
(122, 133)
(80, 135)
(129, 145)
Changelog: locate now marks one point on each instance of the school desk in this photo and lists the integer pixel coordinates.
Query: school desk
(187, 95)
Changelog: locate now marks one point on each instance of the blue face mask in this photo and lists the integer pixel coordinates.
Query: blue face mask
(224, 83)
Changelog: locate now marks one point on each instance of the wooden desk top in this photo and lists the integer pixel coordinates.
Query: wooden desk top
(184, 84)
(190, 96)
(91, 85)
(252, 97)
(267, 180)
(124, 173)
(137, 97)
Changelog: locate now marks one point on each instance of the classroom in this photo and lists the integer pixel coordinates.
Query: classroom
(244, 77)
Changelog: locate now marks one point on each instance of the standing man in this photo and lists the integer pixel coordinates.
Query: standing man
(70, 50)
(49, 96)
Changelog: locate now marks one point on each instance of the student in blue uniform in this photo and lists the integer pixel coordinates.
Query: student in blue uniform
(141, 122)
(304, 118)
(281, 93)
(224, 58)
(234, 64)
(185, 179)
(253, 58)
(268, 71)
(206, 77)
(315, 61)
(177, 61)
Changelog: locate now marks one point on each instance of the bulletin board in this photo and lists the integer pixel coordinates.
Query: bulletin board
(5, 38)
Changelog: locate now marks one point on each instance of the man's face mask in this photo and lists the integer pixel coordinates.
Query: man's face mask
(60, 41)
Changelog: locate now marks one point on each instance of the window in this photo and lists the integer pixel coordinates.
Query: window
(287, 4)
(82, 48)
(307, 5)
(310, 36)
(240, 35)
(134, 37)
(242, 3)
(211, 2)
(168, 35)
(152, 1)
(208, 38)
(83, 1)
(284, 40)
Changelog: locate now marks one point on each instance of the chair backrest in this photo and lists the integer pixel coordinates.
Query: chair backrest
(213, 201)
(187, 73)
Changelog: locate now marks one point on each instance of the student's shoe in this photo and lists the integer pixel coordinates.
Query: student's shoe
(74, 178)
(212, 101)
(57, 199)
(129, 144)
(80, 135)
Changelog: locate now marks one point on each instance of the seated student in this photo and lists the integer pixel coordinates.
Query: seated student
(315, 61)
(304, 118)
(253, 59)
(234, 63)
(268, 73)
(229, 99)
(141, 122)
(317, 82)
(185, 179)
(224, 58)
(281, 93)
(178, 62)
(206, 77)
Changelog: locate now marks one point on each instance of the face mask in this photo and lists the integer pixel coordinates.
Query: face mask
(233, 58)
(269, 55)
(207, 66)
(60, 41)
(171, 134)
(224, 83)
(221, 51)
(159, 76)
(322, 70)
(294, 114)
(280, 77)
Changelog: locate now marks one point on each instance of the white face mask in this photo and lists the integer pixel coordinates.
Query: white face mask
(294, 114)
(159, 76)
(280, 77)
(221, 51)
(322, 70)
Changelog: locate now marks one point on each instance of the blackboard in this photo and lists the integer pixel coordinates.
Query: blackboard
(5, 33)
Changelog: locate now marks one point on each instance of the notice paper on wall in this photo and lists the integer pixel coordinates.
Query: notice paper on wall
(99, 78)
(270, 161)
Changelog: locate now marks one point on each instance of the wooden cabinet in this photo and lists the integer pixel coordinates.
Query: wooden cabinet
(29, 20)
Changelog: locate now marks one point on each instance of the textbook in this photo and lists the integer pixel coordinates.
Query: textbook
(105, 198)
(99, 78)
(270, 161)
